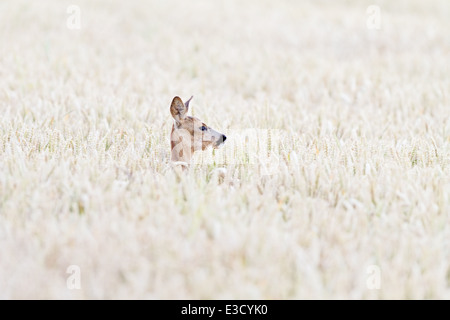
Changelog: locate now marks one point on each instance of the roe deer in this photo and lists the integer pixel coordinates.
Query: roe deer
(190, 134)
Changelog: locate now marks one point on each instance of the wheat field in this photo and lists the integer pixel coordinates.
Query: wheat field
(341, 192)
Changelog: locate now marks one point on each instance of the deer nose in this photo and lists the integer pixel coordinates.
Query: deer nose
(224, 137)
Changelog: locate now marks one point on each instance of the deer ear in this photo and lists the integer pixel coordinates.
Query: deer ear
(187, 103)
(178, 109)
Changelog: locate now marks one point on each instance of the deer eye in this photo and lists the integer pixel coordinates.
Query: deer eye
(203, 128)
